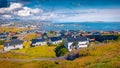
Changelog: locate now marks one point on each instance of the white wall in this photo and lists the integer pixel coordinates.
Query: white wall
(56, 42)
(13, 47)
(40, 43)
(80, 44)
(83, 44)
(69, 44)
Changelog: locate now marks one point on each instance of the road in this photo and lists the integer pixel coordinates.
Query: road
(36, 59)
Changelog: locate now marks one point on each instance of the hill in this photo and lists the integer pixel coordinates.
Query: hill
(103, 56)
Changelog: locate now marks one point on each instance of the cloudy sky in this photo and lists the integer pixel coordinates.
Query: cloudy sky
(61, 10)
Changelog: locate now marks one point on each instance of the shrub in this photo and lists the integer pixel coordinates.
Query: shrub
(1, 42)
(60, 50)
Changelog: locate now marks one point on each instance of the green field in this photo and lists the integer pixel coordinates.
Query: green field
(12, 29)
(33, 52)
(104, 56)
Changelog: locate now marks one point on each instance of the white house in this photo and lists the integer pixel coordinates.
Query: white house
(55, 40)
(76, 42)
(13, 44)
(3, 36)
(38, 42)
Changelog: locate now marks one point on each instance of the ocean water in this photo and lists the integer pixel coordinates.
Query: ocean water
(86, 26)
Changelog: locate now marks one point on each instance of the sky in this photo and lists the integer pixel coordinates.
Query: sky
(60, 10)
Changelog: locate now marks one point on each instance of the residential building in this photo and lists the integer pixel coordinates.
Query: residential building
(3, 36)
(38, 42)
(76, 42)
(55, 40)
(13, 44)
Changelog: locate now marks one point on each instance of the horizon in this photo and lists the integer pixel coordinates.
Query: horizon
(60, 10)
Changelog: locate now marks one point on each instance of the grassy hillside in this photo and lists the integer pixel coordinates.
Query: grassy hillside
(104, 56)
(28, 53)
(12, 29)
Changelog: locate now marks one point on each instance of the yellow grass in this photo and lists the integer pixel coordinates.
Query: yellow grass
(38, 52)
(26, 44)
(30, 36)
(98, 55)
(12, 29)
(105, 56)
(28, 53)
(1, 46)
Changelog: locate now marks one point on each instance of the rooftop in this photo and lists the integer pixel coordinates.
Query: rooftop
(13, 42)
(38, 40)
(77, 38)
(55, 38)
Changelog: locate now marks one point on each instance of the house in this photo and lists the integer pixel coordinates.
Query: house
(91, 38)
(105, 38)
(96, 33)
(3, 36)
(55, 40)
(38, 42)
(13, 44)
(76, 42)
(38, 34)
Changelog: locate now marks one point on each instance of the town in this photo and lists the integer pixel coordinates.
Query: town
(59, 33)
(73, 39)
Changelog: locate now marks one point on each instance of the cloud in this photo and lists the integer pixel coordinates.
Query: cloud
(90, 15)
(11, 8)
(7, 16)
(19, 11)
(28, 11)
(15, 6)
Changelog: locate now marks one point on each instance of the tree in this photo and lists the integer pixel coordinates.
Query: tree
(61, 50)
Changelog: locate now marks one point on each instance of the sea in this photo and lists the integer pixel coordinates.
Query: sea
(85, 26)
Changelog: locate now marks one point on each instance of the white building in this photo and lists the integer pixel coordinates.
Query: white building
(13, 44)
(38, 42)
(76, 42)
(55, 40)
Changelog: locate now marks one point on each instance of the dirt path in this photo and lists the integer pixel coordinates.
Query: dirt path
(36, 59)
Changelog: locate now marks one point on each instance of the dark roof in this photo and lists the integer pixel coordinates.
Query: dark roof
(92, 36)
(96, 33)
(2, 34)
(38, 40)
(102, 38)
(70, 39)
(55, 38)
(107, 37)
(77, 38)
(81, 38)
(13, 42)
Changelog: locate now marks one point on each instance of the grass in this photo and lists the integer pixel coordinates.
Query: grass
(104, 56)
(28, 53)
(1, 46)
(38, 64)
(12, 29)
